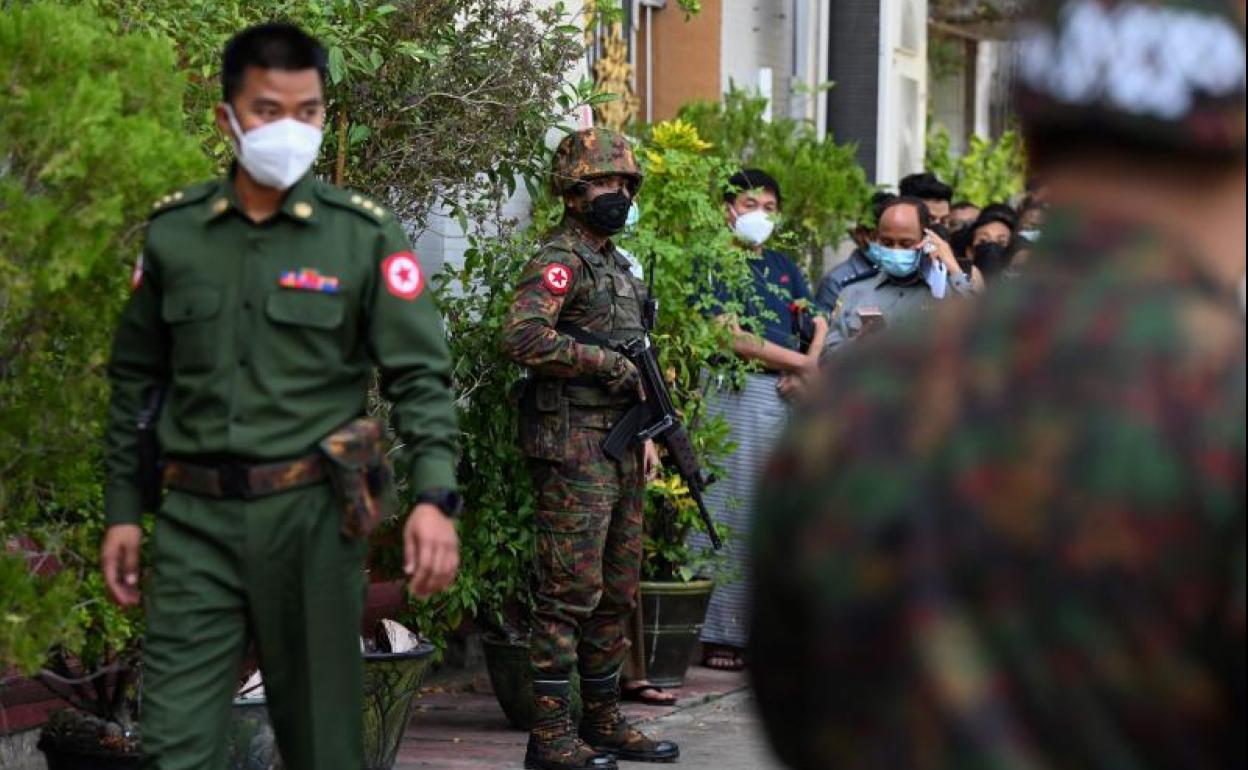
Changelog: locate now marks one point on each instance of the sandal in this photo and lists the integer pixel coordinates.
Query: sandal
(644, 692)
(723, 658)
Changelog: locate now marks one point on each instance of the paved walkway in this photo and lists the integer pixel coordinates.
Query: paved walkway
(461, 727)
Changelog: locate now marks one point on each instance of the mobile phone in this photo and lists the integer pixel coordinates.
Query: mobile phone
(871, 318)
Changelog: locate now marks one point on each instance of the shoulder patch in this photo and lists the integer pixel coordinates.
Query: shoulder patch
(402, 274)
(557, 277)
(183, 197)
(351, 201)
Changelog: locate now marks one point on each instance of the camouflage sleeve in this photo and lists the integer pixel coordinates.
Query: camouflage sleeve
(408, 343)
(139, 361)
(529, 335)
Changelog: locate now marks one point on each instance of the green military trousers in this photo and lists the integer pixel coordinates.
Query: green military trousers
(275, 571)
(588, 555)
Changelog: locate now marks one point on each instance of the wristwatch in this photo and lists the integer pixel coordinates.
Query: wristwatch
(447, 500)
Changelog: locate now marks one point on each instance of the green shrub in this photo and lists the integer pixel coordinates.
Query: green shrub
(825, 190)
(432, 102)
(90, 134)
(989, 172)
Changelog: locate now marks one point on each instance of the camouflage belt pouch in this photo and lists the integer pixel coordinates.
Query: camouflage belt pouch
(361, 475)
(544, 420)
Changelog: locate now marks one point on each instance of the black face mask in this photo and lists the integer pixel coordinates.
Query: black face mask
(991, 258)
(608, 212)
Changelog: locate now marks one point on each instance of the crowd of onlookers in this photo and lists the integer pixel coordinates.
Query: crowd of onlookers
(917, 248)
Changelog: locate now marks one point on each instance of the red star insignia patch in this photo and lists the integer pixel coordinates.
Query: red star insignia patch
(557, 277)
(403, 277)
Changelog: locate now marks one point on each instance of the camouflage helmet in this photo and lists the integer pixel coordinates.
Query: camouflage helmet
(1147, 75)
(592, 153)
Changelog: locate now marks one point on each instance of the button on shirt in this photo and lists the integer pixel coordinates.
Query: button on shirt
(267, 335)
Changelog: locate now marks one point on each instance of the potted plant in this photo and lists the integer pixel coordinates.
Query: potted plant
(674, 591)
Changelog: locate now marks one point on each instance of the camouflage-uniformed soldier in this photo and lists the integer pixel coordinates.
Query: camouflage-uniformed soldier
(1013, 536)
(575, 300)
(261, 304)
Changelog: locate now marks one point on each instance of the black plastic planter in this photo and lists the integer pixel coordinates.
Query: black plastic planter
(512, 680)
(673, 614)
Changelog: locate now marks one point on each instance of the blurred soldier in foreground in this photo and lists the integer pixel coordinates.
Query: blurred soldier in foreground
(1031, 551)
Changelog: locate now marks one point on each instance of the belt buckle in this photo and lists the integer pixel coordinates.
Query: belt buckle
(235, 480)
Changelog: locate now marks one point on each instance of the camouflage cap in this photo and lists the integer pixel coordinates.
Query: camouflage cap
(591, 153)
(1142, 74)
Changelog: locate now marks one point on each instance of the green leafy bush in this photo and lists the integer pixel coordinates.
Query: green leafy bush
(685, 246)
(90, 134)
(989, 172)
(432, 102)
(825, 190)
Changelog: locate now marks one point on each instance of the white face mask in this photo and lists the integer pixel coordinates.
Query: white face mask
(754, 227)
(276, 154)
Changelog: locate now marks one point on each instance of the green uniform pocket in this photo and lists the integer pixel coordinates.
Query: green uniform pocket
(190, 312)
(318, 311)
(544, 420)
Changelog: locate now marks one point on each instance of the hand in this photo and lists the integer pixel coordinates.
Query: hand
(623, 377)
(430, 550)
(651, 461)
(943, 252)
(791, 386)
(119, 561)
(810, 367)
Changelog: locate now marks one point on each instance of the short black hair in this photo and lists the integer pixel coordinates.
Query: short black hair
(926, 187)
(925, 216)
(1000, 212)
(752, 179)
(879, 201)
(962, 205)
(276, 45)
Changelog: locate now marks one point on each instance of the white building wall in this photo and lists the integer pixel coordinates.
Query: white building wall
(902, 106)
(810, 62)
(758, 34)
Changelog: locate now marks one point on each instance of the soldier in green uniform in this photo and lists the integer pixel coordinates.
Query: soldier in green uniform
(261, 305)
(1013, 535)
(576, 300)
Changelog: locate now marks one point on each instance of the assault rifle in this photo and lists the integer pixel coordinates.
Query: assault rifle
(655, 418)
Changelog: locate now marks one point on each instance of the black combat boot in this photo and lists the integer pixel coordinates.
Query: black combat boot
(553, 742)
(605, 728)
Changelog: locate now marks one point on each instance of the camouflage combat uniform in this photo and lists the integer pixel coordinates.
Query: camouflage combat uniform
(575, 301)
(1052, 572)
(1031, 553)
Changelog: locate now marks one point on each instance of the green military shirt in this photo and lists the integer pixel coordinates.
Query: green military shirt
(267, 335)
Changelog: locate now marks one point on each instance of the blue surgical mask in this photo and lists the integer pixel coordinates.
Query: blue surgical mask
(634, 214)
(1030, 236)
(899, 263)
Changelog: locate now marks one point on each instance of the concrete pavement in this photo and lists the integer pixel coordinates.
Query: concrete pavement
(461, 727)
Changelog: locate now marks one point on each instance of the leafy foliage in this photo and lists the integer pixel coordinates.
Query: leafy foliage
(437, 103)
(90, 134)
(432, 102)
(989, 172)
(682, 241)
(825, 190)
